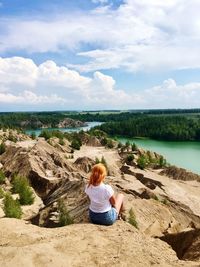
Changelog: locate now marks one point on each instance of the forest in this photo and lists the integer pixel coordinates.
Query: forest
(176, 125)
(171, 128)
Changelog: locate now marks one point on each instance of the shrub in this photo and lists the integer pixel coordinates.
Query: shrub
(1, 193)
(109, 143)
(103, 161)
(33, 135)
(61, 142)
(2, 177)
(2, 148)
(162, 162)
(21, 186)
(132, 218)
(46, 134)
(76, 144)
(164, 201)
(156, 198)
(12, 138)
(119, 145)
(11, 208)
(142, 162)
(104, 141)
(127, 144)
(97, 160)
(133, 147)
(64, 217)
(130, 157)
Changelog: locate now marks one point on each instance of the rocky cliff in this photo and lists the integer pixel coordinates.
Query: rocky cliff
(167, 210)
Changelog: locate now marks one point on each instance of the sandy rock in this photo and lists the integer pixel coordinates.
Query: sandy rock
(70, 123)
(84, 163)
(82, 245)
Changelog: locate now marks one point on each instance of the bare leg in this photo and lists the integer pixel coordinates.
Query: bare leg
(119, 202)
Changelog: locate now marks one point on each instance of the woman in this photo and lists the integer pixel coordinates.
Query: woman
(104, 206)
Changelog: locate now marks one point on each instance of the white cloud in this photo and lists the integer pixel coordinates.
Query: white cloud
(139, 35)
(28, 97)
(22, 83)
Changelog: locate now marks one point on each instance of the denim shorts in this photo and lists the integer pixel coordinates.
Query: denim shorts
(105, 218)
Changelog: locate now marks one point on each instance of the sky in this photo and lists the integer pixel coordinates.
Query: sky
(99, 54)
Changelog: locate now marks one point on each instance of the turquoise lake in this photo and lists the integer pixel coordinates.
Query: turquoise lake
(69, 130)
(181, 154)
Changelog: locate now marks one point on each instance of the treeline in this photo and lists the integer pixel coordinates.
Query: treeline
(172, 128)
(26, 120)
(35, 120)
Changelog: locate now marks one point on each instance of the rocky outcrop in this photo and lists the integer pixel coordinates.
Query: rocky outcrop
(180, 174)
(186, 244)
(84, 163)
(89, 140)
(41, 164)
(70, 123)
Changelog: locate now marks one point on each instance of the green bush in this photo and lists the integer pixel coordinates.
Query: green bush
(109, 143)
(1, 193)
(162, 162)
(2, 148)
(61, 142)
(142, 162)
(64, 217)
(127, 144)
(132, 218)
(33, 135)
(2, 177)
(11, 207)
(119, 145)
(46, 134)
(76, 144)
(134, 147)
(97, 160)
(130, 157)
(104, 141)
(12, 138)
(21, 187)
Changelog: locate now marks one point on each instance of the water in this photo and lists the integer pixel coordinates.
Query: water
(181, 154)
(69, 130)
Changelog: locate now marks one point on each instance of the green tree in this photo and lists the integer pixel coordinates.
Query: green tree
(11, 207)
(21, 187)
(142, 162)
(33, 135)
(2, 148)
(76, 144)
(64, 217)
(2, 177)
(130, 157)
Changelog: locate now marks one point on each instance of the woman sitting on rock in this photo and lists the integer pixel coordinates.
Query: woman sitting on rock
(104, 207)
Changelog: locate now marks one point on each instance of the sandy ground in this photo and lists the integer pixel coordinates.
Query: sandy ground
(81, 245)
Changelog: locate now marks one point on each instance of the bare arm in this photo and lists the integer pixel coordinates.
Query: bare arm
(112, 201)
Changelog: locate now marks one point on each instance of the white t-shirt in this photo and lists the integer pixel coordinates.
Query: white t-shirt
(99, 197)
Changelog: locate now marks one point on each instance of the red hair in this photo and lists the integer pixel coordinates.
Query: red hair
(98, 174)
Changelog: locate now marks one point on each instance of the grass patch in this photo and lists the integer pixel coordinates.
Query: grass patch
(132, 218)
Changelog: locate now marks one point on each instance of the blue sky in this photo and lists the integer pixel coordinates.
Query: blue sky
(99, 54)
